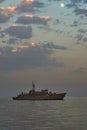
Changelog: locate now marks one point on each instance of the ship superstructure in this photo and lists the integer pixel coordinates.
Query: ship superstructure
(39, 95)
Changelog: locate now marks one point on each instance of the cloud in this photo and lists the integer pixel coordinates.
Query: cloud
(82, 30)
(57, 21)
(18, 31)
(81, 12)
(51, 45)
(85, 39)
(2, 9)
(79, 37)
(46, 28)
(2, 35)
(59, 32)
(75, 23)
(2, 1)
(31, 19)
(80, 70)
(4, 17)
(76, 3)
(73, 3)
(24, 6)
(29, 6)
(54, 0)
(26, 57)
(12, 41)
(79, 23)
(79, 1)
(9, 9)
(85, 1)
(70, 5)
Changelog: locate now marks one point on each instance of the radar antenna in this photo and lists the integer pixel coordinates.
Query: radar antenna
(33, 86)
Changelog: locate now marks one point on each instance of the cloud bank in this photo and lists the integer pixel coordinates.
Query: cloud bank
(18, 31)
(30, 19)
(27, 56)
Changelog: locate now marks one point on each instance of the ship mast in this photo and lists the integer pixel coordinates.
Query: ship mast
(33, 86)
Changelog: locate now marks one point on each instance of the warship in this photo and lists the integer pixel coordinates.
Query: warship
(39, 95)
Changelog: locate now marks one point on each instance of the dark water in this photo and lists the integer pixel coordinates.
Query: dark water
(70, 114)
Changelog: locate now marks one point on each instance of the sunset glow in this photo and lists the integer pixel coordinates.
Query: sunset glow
(29, 15)
(29, 1)
(33, 44)
(11, 8)
(45, 17)
(23, 46)
(14, 50)
(2, 9)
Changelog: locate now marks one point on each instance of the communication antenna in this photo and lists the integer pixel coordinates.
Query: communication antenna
(33, 86)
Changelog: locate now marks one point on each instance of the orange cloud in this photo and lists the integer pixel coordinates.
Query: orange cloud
(33, 44)
(23, 46)
(11, 9)
(31, 19)
(28, 1)
(16, 25)
(29, 15)
(45, 17)
(2, 9)
(14, 50)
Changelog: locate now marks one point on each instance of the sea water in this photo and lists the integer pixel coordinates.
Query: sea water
(69, 114)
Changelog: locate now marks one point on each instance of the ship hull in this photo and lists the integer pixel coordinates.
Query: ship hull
(37, 97)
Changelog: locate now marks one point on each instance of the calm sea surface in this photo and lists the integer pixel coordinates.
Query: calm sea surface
(70, 114)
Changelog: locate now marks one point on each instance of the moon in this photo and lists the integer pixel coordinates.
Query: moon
(62, 5)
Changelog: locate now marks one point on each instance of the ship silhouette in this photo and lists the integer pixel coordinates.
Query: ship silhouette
(39, 95)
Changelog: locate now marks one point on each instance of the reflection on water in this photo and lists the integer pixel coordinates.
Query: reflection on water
(70, 114)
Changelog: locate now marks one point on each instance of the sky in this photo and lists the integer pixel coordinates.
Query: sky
(44, 41)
